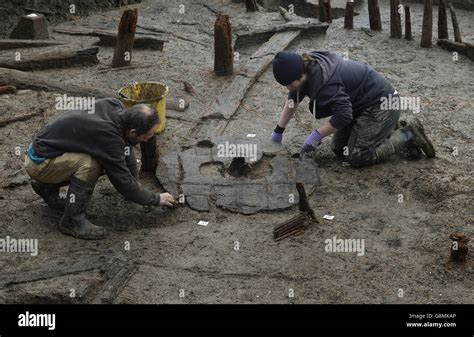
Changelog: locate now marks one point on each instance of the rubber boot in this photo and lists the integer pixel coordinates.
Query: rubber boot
(50, 193)
(74, 222)
(419, 138)
(398, 140)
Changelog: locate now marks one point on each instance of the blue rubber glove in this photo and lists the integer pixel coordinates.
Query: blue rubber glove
(277, 137)
(311, 143)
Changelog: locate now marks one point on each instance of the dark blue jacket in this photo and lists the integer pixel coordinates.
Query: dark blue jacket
(341, 88)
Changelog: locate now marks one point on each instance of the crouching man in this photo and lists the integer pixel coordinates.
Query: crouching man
(77, 147)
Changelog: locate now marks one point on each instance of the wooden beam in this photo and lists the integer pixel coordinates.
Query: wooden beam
(459, 47)
(125, 39)
(349, 15)
(408, 33)
(454, 19)
(223, 53)
(374, 15)
(395, 21)
(427, 28)
(52, 59)
(297, 25)
(442, 21)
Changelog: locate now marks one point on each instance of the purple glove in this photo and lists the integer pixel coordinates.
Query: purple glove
(277, 137)
(311, 143)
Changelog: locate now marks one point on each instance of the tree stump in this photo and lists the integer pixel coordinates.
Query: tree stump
(374, 15)
(395, 22)
(454, 19)
(223, 54)
(442, 21)
(349, 15)
(31, 26)
(427, 28)
(408, 34)
(125, 39)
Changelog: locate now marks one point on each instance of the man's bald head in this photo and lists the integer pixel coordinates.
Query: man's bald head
(140, 117)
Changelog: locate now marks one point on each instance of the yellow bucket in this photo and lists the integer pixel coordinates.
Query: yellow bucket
(152, 93)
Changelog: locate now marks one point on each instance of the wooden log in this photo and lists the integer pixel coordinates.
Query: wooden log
(395, 21)
(251, 5)
(442, 21)
(24, 117)
(454, 19)
(6, 44)
(408, 33)
(149, 158)
(307, 25)
(125, 39)
(459, 47)
(427, 28)
(52, 59)
(374, 15)
(223, 54)
(349, 15)
(7, 89)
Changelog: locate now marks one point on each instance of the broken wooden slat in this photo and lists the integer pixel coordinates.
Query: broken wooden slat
(454, 19)
(408, 34)
(223, 54)
(6, 44)
(395, 22)
(52, 59)
(374, 15)
(290, 226)
(461, 48)
(442, 21)
(427, 27)
(125, 39)
(349, 15)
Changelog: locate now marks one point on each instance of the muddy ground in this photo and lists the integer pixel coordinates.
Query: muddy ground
(406, 244)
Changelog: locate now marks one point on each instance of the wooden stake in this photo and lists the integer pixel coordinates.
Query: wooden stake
(303, 201)
(442, 21)
(149, 159)
(454, 19)
(223, 54)
(325, 11)
(349, 16)
(395, 22)
(427, 29)
(251, 5)
(125, 39)
(374, 15)
(408, 34)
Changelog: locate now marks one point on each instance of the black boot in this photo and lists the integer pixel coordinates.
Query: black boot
(74, 220)
(398, 140)
(419, 138)
(50, 193)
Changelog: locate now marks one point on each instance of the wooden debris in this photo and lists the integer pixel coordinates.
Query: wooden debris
(32, 26)
(427, 28)
(395, 21)
(125, 38)
(408, 34)
(117, 272)
(189, 88)
(349, 15)
(52, 59)
(459, 248)
(325, 11)
(23, 117)
(454, 19)
(251, 5)
(442, 21)
(223, 54)
(7, 89)
(284, 13)
(303, 201)
(6, 44)
(149, 158)
(309, 25)
(374, 15)
(459, 47)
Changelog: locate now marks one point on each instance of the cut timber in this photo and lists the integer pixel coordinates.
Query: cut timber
(107, 38)
(125, 39)
(454, 19)
(24, 80)
(223, 54)
(459, 47)
(311, 24)
(427, 27)
(251, 5)
(442, 21)
(149, 159)
(374, 15)
(408, 34)
(395, 21)
(349, 15)
(32, 26)
(52, 59)
(6, 44)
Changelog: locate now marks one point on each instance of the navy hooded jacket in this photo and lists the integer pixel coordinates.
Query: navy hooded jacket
(341, 88)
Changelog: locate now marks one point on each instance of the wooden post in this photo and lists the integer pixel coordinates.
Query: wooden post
(349, 15)
(408, 34)
(251, 5)
(442, 21)
(223, 54)
(149, 159)
(125, 38)
(395, 22)
(374, 15)
(427, 28)
(325, 11)
(454, 19)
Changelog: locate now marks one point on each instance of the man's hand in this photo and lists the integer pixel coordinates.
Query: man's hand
(167, 199)
(311, 143)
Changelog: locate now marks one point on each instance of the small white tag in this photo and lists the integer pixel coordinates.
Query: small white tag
(345, 163)
(251, 135)
(203, 223)
(33, 15)
(328, 217)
